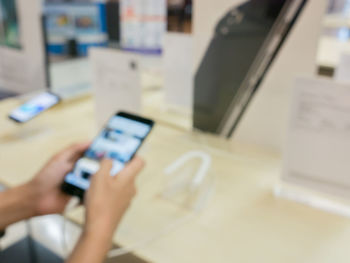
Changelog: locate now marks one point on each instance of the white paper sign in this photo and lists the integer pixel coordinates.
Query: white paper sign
(178, 69)
(318, 149)
(116, 82)
(342, 73)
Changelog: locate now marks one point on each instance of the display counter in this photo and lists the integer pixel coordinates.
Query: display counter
(240, 221)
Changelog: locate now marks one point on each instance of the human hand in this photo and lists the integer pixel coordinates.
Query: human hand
(49, 198)
(109, 197)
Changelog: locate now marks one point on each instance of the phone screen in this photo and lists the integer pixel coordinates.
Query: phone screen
(119, 141)
(34, 107)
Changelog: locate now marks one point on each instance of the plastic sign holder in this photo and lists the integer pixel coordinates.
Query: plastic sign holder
(316, 166)
(116, 82)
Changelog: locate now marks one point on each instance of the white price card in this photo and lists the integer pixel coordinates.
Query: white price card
(178, 69)
(318, 148)
(116, 82)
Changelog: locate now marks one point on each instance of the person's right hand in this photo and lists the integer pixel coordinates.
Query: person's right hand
(106, 202)
(108, 197)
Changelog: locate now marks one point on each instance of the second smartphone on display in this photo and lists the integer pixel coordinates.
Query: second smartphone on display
(34, 107)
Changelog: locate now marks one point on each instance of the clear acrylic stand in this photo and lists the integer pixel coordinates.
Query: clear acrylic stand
(187, 181)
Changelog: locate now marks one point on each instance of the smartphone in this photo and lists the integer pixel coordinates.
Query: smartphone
(244, 45)
(34, 107)
(119, 140)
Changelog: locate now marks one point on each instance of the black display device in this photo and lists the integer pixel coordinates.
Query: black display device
(113, 21)
(119, 140)
(245, 43)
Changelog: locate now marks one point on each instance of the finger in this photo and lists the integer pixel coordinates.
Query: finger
(133, 168)
(75, 151)
(104, 171)
(105, 167)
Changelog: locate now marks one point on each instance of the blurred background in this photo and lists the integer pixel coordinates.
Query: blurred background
(72, 27)
(97, 54)
(335, 38)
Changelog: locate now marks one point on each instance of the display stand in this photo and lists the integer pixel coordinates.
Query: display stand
(186, 186)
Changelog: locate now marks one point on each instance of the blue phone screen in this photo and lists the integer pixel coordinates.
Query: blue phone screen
(34, 107)
(119, 141)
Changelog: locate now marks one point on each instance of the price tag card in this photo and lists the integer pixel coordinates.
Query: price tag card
(318, 148)
(116, 82)
(178, 70)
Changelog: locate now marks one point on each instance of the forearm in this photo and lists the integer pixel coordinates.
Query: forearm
(16, 204)
(92, 247)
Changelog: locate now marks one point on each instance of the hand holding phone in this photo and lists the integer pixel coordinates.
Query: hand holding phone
(119, 141)
(109, 196)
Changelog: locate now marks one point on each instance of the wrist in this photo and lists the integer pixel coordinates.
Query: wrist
(102, 227)
(102, 235)
(17, 204)
(31, 197)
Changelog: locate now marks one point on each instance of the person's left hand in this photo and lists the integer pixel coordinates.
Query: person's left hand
(46, 184)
